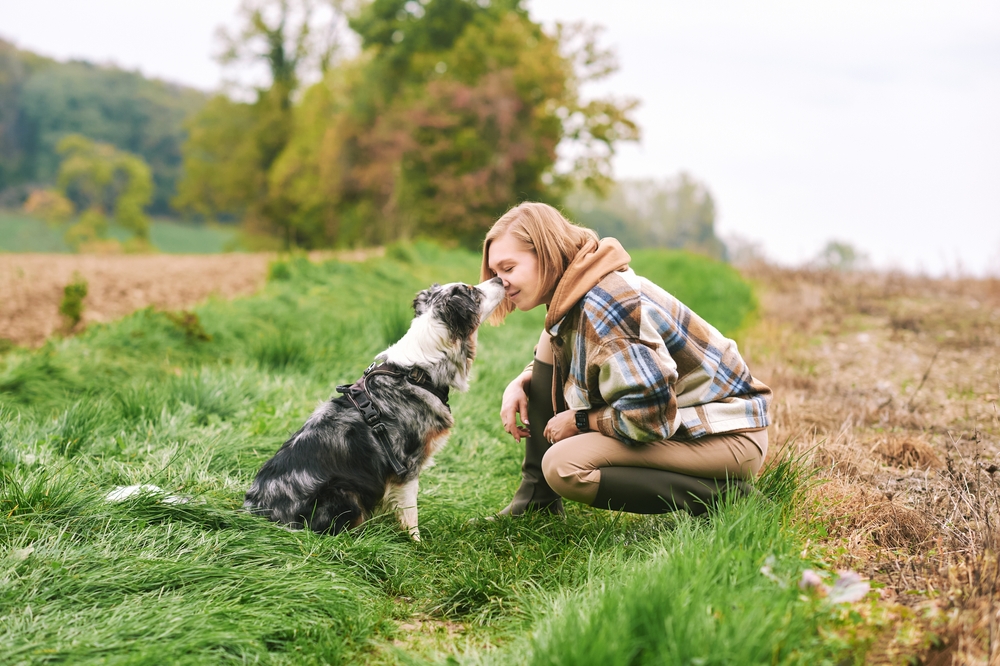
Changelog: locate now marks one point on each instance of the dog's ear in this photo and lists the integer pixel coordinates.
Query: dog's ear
(461, 314)
(422, 301)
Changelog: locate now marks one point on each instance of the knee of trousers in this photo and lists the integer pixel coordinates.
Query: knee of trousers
(565, 477)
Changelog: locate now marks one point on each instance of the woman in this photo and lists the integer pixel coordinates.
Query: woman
(632, 402)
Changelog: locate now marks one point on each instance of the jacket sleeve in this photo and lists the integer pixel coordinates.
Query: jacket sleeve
(636, 382)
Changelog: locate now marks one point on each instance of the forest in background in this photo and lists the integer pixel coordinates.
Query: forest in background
(449, 113)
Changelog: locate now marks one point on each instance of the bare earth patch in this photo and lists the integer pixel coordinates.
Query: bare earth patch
(31, 285)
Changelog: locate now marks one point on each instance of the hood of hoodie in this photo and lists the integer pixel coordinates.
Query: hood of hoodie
(594, 260)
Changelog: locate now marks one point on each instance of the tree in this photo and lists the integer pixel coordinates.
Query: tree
(454, 112)
(233, 145)
(840, 256)
(42, 101)
(98, 179)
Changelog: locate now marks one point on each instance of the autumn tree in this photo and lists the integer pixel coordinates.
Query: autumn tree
(454, 111)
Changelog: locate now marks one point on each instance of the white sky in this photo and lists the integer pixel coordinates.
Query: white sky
(875, 122)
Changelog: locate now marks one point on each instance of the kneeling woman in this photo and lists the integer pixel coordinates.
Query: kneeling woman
(632, 402)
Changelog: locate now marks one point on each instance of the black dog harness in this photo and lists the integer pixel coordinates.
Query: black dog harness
(359, 396)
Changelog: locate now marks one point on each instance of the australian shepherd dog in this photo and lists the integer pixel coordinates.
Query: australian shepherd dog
(363, 451)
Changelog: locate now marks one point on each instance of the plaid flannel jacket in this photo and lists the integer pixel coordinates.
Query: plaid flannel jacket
(653, 368)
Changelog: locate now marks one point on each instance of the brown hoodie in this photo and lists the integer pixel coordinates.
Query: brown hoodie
(594, 260)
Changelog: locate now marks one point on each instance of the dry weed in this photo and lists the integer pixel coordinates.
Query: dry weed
(888, 385)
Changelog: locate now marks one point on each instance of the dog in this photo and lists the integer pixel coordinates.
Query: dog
(364, 451)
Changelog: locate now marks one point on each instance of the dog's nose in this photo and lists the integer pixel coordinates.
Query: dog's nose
(497, 281)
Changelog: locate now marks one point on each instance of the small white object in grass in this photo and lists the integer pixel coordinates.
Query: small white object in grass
(22, 553)
(811, 580)
(848, 588)
(122, 493)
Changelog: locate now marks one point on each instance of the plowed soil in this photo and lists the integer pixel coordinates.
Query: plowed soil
(31, 286)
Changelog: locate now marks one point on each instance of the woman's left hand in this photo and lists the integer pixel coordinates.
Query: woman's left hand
(561, 426)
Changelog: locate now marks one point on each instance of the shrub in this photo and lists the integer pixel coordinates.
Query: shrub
(71, 306)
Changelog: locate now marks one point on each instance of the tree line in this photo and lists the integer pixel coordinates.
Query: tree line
(452, 112)
(448, 113)
(42, 101)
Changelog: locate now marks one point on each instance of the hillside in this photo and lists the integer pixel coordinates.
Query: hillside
(42, 100)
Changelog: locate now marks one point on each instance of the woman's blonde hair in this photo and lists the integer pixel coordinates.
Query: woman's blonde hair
(554, 240)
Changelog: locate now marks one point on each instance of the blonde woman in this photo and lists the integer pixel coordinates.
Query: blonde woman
(632, 401)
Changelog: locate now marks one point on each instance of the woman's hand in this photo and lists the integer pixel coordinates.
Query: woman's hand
(514, 404)
(561, 426)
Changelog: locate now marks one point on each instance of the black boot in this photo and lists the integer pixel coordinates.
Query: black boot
(534, 494)
(646, 490)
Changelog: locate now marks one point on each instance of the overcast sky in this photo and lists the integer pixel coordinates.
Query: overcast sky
(874, 122)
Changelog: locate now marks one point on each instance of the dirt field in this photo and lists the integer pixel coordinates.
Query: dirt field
(887, 385)
(31, 286)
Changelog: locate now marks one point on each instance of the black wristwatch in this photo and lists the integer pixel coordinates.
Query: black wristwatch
(582, 422)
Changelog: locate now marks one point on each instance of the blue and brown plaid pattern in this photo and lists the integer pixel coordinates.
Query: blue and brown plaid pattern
(654, 368)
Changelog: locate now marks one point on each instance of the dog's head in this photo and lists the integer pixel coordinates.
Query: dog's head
(442, 336)
(458, 306)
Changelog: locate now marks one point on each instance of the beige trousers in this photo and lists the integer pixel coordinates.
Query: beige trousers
(572, 467)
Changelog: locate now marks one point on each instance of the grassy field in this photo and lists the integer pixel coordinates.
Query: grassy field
(195, 402)
(22, 233)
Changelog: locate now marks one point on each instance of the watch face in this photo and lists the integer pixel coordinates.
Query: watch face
(581, 420)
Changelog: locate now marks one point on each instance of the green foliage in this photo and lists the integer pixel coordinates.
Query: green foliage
(189, 324)
(99, 178)
(678, 213)
(71, 305)
(452, 113)
(151, 579)
(699, 598)
(42, 101)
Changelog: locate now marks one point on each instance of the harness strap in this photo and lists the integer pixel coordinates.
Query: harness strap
(358, 394)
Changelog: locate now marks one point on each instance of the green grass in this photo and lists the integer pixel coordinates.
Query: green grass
(714, 290)
(22, 233)
(143, 400)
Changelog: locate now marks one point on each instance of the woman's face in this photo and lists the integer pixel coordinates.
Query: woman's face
(516, 264)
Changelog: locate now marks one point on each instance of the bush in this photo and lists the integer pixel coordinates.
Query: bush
(71, 306)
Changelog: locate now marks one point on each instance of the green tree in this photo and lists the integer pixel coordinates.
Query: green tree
(454, 112)
(100, 179)
(233, 145)
(45, 101)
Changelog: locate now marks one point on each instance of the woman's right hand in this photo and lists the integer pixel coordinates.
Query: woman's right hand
(514, 404)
